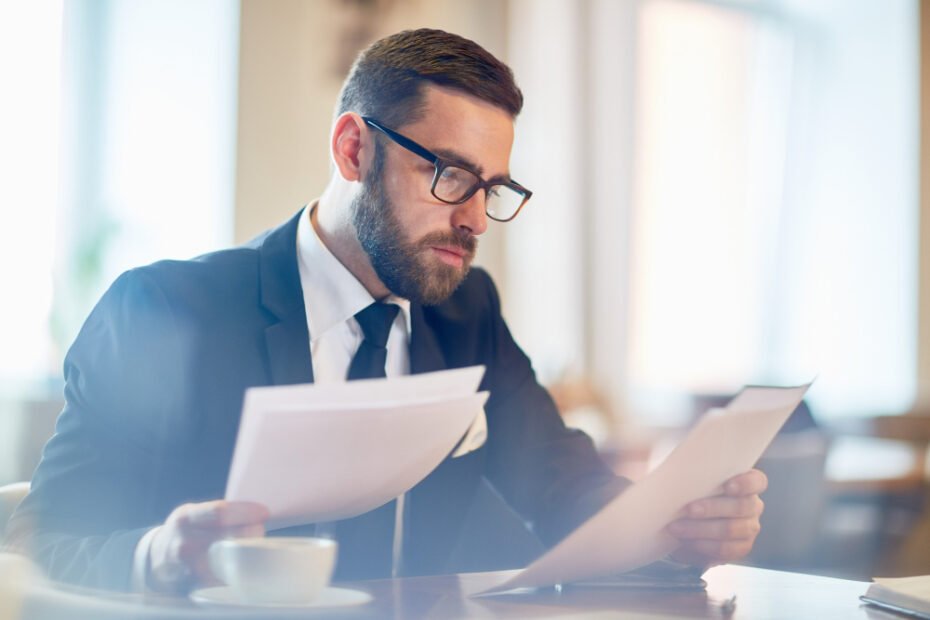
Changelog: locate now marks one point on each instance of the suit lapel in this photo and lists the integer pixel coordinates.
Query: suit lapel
(287, 341)
(425, 353)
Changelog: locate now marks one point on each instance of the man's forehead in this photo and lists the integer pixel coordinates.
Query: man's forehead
(462, 128)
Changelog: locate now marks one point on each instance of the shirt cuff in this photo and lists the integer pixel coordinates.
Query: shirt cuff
(140, 562)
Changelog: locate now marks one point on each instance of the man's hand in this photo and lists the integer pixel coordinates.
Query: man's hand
(721, 528)
(178, 552)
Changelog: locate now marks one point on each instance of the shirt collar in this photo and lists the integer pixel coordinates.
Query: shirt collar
(332, 295)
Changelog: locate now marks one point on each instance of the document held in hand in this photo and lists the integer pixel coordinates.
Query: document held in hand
(629, 532)
(314, 453)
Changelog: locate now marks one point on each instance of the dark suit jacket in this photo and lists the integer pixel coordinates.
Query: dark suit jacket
(154, 389)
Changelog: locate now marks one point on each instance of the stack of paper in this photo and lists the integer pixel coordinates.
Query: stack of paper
(909, 595)
(314, 453)
(629, 532)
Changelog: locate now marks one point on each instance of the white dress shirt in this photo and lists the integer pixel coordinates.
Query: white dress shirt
(332, 297)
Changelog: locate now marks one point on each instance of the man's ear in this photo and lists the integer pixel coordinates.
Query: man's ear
(351, 146)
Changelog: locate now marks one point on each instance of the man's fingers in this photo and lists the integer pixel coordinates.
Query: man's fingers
(202, 573)
(221, 514)
(714, 529)
(723, 507)
(178, 552)
(246, 531)
(745, 487)
(752, 482)
(194, 545)
(722, 527)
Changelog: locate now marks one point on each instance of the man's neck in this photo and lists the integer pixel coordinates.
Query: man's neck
(334, 227)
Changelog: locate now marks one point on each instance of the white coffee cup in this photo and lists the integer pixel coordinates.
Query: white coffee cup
(285, 570)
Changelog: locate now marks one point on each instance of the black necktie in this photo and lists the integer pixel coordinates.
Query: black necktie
(366, 541)
(375, 321)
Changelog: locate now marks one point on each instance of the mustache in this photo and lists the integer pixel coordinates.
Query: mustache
(462, 240)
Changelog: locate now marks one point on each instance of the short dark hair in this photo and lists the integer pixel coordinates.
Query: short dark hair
(386, 81)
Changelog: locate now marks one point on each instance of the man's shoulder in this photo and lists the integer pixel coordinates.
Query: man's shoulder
(224, 285)
(221, 268)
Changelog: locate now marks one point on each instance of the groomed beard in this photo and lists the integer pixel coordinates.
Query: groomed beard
(407, 268)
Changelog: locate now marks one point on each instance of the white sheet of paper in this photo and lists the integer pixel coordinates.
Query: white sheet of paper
(409, 388)
(315, 453)
(629, 531)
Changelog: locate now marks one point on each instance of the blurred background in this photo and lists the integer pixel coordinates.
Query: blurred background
(725, 192)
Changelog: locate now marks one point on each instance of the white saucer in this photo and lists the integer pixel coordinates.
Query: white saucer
(330, 597)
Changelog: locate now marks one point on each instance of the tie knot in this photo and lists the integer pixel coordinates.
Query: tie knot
(376, 320)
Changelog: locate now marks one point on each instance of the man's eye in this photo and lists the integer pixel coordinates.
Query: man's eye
(494, 192)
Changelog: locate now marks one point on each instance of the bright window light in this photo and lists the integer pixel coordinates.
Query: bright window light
(775, 202)
(30, 52)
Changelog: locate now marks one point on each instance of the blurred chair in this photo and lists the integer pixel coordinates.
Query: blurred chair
(37, 427)
(10, 497)
(882, 471)
(27, 425)
(19, 580)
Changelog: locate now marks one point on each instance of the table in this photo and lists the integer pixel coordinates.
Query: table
(761, 595)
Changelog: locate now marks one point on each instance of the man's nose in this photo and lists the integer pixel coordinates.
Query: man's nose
(471, 215)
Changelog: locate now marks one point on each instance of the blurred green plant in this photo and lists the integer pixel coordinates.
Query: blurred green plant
(79, 281)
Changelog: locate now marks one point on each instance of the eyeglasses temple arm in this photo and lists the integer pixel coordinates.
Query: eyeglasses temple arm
(408, 144)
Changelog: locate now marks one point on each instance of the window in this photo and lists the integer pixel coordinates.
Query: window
(726, 192)
(775, 204)
(119, 127)
(30, 52)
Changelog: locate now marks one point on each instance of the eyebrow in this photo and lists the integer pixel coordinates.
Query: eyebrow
(457, 158)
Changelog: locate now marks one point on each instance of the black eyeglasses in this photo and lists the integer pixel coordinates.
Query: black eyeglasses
(454, 184)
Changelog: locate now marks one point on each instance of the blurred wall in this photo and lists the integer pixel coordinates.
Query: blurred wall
(923, 348)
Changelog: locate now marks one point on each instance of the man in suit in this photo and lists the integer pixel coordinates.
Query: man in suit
(376, 268)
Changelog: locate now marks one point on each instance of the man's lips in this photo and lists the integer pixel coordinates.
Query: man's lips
(450, 249)
(450, 255)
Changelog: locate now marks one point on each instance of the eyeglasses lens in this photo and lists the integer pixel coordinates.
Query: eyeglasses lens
(455, 184)
(503, 202)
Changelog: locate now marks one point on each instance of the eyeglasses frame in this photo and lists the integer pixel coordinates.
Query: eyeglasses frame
(441, 163)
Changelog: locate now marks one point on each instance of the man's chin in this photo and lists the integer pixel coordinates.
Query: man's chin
(437, 285)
